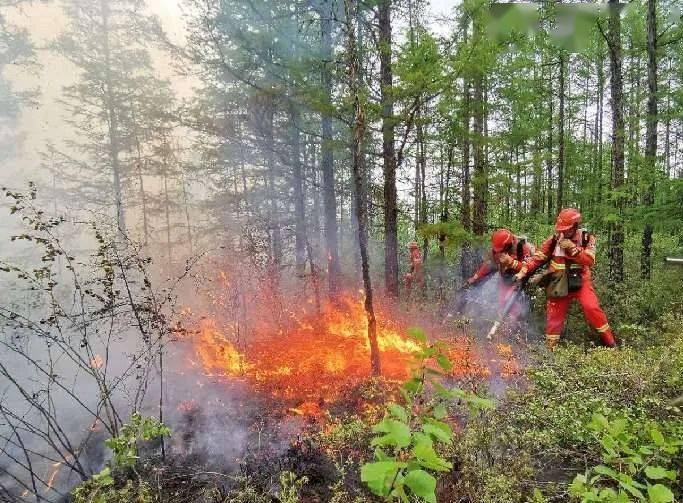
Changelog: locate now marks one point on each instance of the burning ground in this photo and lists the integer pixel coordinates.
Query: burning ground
(269, 377)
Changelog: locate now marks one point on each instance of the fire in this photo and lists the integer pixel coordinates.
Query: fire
(316, 358)
(218, 353)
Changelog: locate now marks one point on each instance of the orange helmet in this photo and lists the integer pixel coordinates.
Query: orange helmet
(412, 244)
(568, 218)
(501, 239)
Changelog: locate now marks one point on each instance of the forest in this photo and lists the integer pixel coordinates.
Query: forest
(261, 251)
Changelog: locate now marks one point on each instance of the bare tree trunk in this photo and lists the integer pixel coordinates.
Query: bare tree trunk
(465, 211)
(269, 146)
(188, 225)
(560, 138)
(651, 134)
(112, 120)
(388, 151)
(616, 88)
(358, 175)
(422, 165)
(327, 159)
(480, 178)
(167, 207)
(601, 102)
(549, 154)
(298, 186)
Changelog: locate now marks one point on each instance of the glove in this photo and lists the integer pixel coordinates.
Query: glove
(505, 260)
(517, 278)
(567, 244)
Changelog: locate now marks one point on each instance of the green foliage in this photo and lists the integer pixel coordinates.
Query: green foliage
(409, 436)
(101, 487)
(290, 487)
(640, 461)
(125, 445)
(101, 490)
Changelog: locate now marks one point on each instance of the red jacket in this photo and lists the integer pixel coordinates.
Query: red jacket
(492, 263)
(582, 256)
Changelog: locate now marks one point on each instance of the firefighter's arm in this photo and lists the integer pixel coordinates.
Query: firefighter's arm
(484, 270)
(583, 255)
(540, 257)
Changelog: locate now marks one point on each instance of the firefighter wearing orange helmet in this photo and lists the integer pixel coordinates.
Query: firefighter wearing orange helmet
(507, 257)
(570, 253)
(416, 273)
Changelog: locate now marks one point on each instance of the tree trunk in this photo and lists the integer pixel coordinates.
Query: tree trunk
(480, 178)
(560, 138)
(359, 186)
(422, 164)
(167, 207)
(651, 134)
(327, 159)
(549, 154)
(616, 88)
(187, 216)
(465, 213)
(601, 102)
(269, 147)
(298, 186)
(388, 151)
(112, 120)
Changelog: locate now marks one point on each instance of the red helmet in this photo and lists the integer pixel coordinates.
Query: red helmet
(568, 218)
(501, 239)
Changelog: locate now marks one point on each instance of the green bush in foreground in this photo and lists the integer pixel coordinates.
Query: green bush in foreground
(640, 462)
(406, 448)
(101, 487)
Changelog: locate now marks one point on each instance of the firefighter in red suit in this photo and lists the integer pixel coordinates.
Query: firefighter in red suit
(416, 273)
(571, 254)
(507, 257)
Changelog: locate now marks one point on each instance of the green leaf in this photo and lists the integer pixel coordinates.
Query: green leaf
(412, 385)
(440, 411)
(398, 412)
(632, 489)
(444, 362)
(380, 455)
(397, 433)
(438, 429)
(657, 436)
(599, 422)
(659, 493)
(607, 471)
(422, 484)
(655, 472)
(427, 457)
(379, 475)
(417, 334)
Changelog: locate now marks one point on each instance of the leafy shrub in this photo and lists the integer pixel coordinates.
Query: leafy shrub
(640, 461)
(101, 487)
(408, 437)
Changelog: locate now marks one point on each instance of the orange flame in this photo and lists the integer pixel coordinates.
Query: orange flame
(313, 362)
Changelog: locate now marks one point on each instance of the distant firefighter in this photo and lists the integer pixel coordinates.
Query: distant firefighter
(507, 256)
(416, 272)
(570, 253)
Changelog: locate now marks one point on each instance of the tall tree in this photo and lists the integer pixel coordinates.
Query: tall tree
(327, 153)
(108, 41)
(650, 135)
(617, 104)
(388, 150)
(358, 133)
